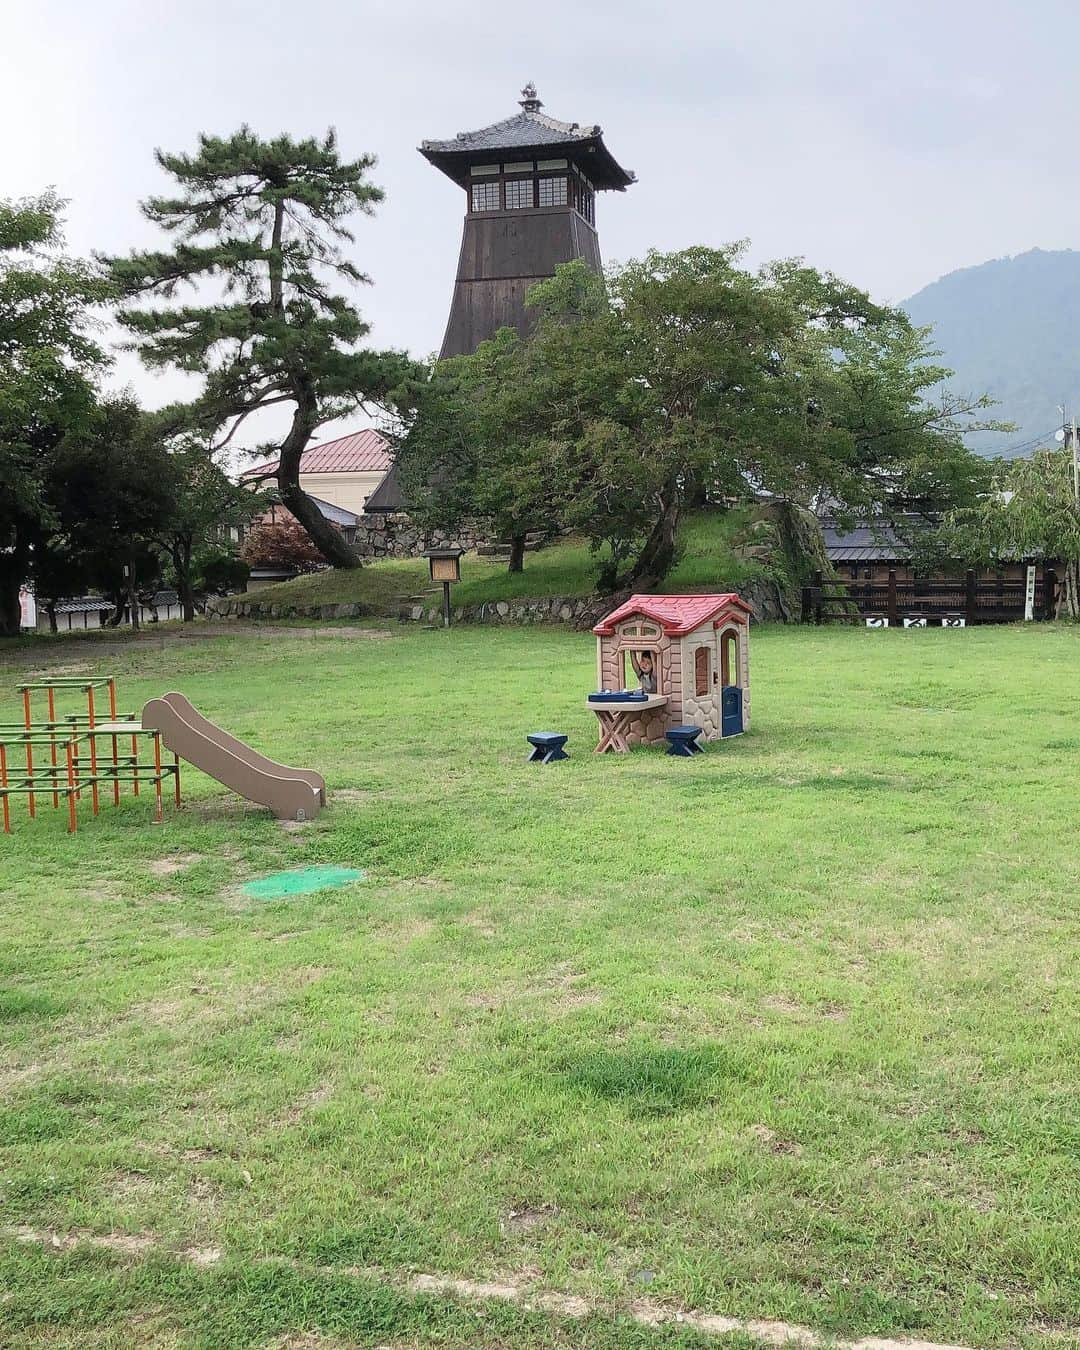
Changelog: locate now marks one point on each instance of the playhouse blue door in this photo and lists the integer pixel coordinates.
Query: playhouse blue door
(731, 711)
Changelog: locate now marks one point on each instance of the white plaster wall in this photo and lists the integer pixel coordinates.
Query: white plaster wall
(350, 490)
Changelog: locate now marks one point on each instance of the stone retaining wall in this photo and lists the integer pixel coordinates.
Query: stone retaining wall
(576, 611)
(396, 535)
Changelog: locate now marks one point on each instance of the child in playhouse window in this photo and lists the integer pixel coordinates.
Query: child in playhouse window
(645, 670)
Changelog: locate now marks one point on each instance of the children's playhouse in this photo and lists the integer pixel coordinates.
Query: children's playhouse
(689, 656)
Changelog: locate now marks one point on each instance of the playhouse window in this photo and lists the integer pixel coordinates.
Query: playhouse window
(701, 672)
(729, 659)
(630, 679)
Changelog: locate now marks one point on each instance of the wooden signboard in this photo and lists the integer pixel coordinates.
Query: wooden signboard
(445, 569)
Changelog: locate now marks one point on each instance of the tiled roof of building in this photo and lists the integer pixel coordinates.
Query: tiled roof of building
(676, 614)
(82, 604)
(524, 128)
(360, 452)
(867, 541)
(531, 129)
(387, 497)
(339, 515)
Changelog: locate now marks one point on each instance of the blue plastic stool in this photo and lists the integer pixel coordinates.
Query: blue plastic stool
(547, 746)
(683, 741)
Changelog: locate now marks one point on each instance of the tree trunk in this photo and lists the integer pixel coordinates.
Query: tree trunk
(1068, 595)
(517, 553)
(50, 610)
(330, 542)
(655, 560)
(132, 601)
(181, 556)
(11, 578)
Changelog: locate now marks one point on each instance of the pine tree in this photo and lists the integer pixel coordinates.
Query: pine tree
(259, 227)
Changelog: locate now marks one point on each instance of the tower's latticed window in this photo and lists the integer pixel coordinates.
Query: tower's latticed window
(485, 196)
(552, 191)
(519, 193)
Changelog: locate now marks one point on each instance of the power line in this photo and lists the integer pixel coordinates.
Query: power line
(1030, 445)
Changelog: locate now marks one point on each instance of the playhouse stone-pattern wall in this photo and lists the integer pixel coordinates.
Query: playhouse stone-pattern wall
(704, 711)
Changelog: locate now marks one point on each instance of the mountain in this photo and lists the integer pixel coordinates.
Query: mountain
(1010, 328)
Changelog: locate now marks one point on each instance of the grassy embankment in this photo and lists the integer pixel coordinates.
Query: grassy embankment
(564, 568)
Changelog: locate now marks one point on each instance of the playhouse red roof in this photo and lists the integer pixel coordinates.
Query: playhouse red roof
(676, 614)
(360, 452)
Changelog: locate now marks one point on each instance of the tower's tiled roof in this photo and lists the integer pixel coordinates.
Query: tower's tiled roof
(531, 129)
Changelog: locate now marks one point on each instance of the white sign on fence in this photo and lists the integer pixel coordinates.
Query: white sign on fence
(916, 621)
(1029, 595)
(877, 621)
(954, 621)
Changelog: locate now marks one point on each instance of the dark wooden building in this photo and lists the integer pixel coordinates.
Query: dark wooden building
(530, 184)
(875, 574)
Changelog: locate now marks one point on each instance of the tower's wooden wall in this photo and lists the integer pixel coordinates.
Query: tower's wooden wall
(503, 253)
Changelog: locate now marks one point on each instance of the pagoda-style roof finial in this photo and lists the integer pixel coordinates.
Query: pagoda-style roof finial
(529, 100)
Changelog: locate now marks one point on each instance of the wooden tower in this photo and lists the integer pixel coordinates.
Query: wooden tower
(530, 186)
(530, 190)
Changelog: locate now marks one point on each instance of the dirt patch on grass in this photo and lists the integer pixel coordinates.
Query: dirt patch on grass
(316, 1097)
(12, 1076)
(167, 867)
(54, 672)
(782, 1004)
(130, 1185)
(203, 1257)
(565, 991)
(523, 1218)
(774, 1142)
(518, 1288)
(124, 1244)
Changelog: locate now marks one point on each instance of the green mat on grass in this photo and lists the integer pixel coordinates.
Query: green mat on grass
(300, 882)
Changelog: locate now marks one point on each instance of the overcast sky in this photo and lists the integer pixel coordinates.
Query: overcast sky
(890, 142)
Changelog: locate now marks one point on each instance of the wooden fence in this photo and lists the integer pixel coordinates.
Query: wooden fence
(937, 599)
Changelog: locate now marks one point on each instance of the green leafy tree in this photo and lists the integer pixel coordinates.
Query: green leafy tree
(259, 227)
(478, 448)
(48, 360)
(678, 378)
(113, 494)
(1031, 510)
(206, 504)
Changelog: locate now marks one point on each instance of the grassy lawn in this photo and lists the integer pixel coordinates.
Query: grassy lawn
(784, 1031)
(565, 568)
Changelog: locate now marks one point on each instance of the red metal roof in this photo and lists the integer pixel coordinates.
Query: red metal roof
(359, 452)
(677, 614)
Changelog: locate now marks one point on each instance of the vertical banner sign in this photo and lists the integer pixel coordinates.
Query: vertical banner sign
(1029, 595)
(27, 608)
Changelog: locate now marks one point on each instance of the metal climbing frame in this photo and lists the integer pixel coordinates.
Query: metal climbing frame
(62, 759)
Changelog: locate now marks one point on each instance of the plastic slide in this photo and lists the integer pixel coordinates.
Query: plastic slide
(292, 794)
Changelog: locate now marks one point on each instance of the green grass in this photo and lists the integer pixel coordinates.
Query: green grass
(784, 1031)
(564, 568)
